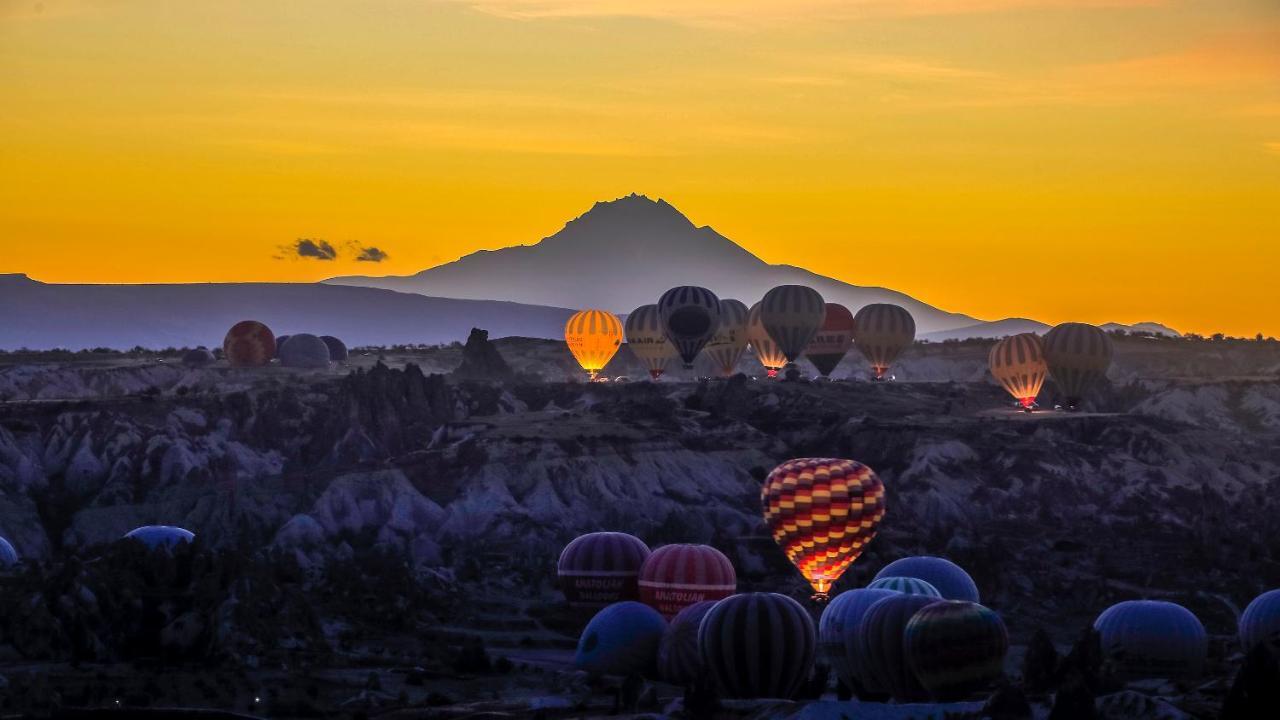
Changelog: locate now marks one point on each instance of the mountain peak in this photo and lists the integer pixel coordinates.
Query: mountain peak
(16, 279)
(632, 209)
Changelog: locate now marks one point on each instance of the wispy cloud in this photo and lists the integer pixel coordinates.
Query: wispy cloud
(371, 254)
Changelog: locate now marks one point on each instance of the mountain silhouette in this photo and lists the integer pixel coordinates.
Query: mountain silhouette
(625, 253)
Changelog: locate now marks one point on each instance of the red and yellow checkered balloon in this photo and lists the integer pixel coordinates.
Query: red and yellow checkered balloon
(822, 512)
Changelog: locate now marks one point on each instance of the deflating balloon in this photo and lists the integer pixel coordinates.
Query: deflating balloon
(1260, 622)
(1078, 356)
(881, 333)
(767, 351)
(822, 513)
(949, 578)
(758, 645)
(601, 568)
(593, 336)
(838, 631)
(677, 576)
(249, 344)
(690, 316)
(726, 347)
(1152, 639)
(161, 536)
(198, 357)
(883, 653)
(337, 349)
(679, 658)
(648, 340)
(8, 556)
(832, 341)
(620, 640)
(956, 648)
(304, 350)
(1017, 363)
(906, 586)
(792, 314)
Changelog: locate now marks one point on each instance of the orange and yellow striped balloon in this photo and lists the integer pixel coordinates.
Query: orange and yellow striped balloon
(822, 512)
(1017, 363)
(593, 337)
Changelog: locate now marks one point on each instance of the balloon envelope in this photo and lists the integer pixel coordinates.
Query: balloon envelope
(593, 336)
(832, 341)
(956, 648)
(1152, 639)
(304, 350)
(337, 349)
(1017, 363)
(767, 351)
(674, 577)
(601, 568)
(882, 650)
(690, 317)
(199, 357)
(792, 314)
(648, 340)
(881, 332)
(1260, 622)
(758, 645)
(949, 578)
(838, 633)
(726, 347)
(679, 658)
(161, 536)
(906, 586)
(249, 343)
(8, 556)
(1078, 356)
(620, 640)
(822, 513)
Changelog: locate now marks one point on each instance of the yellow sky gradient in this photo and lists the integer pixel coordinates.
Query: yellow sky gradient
(1092, 160)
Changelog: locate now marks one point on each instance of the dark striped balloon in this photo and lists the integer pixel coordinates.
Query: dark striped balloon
(1078, 356)
(792, 314)
(679, 658)
(690, 317)
(1152, 639)
(677, 576)
(838, 632)
(949, 578)
(648, 341)
(601, 568)
(758, 645)
(956, 648)
(1260, 622)
(766, 350)
(725, 348)
(882, 332)
(1017, 363)
(832, 341)
(883, 653)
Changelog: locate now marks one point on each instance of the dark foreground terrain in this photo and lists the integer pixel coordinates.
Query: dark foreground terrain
(380, 541)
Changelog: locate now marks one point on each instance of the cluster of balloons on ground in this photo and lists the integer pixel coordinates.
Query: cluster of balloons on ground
(250, 343)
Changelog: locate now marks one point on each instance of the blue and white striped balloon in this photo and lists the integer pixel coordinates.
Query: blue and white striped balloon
(906, 586)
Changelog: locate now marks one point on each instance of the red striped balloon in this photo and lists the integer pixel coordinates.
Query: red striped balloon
(601, 568)
(677, 576)
(822, 512)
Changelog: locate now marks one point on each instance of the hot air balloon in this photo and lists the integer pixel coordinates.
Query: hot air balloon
(593, 337)
(1017, 363)
(304, 350)
(679, 658)
(1260, 622)
(822, 513)
(648, 341)
(677, 576)
(1078, 356)
(280, 341)
(882, 650)
(792, 314)
(249, 343)
(690, 317)
(161, 536)
(838, 627)
(766, 350)
(601, 568)
(1152, 639)
(881, 333)
(832, 341)
(337, 349)
(726, 347)
(199, 357)
(949, 578)
(906, 586)
(758, 645)
(956, 648)
(620, 640)
(8, 556)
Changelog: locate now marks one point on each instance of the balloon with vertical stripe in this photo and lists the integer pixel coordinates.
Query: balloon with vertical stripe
(601, 568)
(949, 578)
(1260, 622)
(762, 344)
(674, 577)
(679, 658)
(792, 314)
(881, 332)
(838, 624)
(690, 317)
(906, 586)
(249, 343)
(1144, 639)
(758, 645)
(832, 341)
(1078, 356)
(882, 650)
(726, 347)
(648, 340)
(822, 513)
(1017, 363)
(593, 337)
(956, 648)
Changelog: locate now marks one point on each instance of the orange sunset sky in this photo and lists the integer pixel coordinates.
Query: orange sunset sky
(1095, 160)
